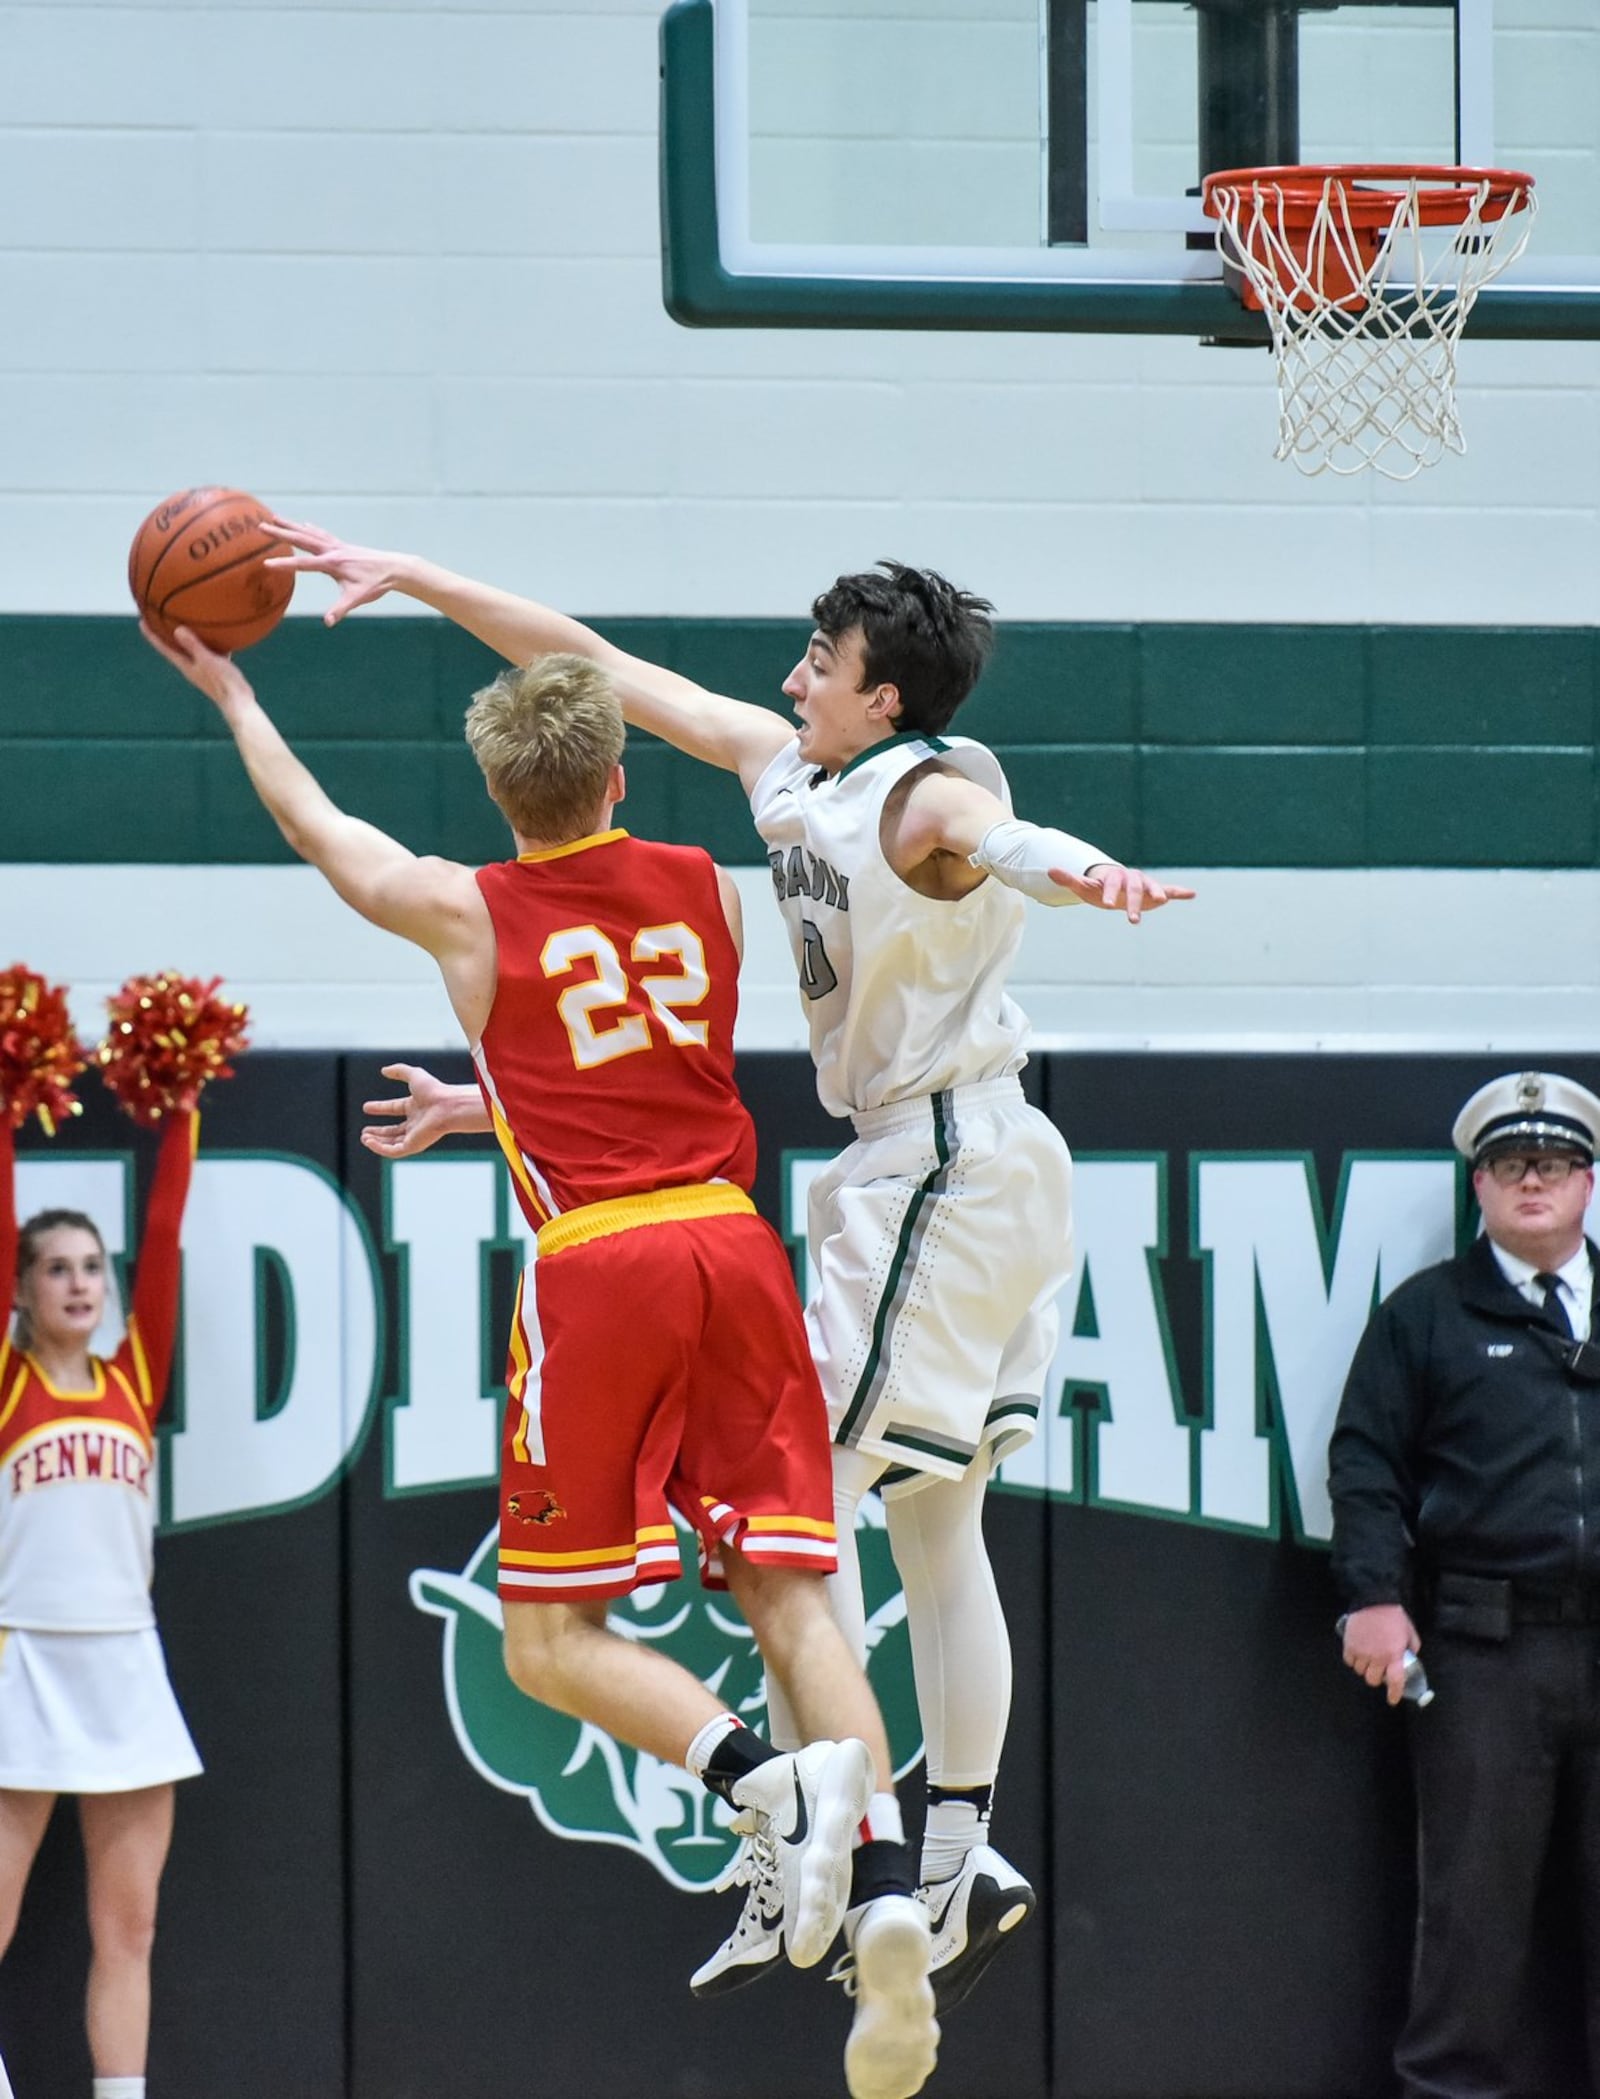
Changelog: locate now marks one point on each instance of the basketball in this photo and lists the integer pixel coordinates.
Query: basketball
(198, 560)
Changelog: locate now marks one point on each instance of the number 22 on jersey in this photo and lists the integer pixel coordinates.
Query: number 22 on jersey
(587, 1008)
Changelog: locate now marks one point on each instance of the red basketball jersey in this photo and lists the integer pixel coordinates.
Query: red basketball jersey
(607, 1062)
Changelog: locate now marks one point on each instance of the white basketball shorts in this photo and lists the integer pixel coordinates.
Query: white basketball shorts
(939, 1241)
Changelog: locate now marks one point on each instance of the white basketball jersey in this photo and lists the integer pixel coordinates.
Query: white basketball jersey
(905, 995)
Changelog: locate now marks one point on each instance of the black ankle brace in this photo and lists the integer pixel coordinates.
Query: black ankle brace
(880, 1868)
(740, 1751)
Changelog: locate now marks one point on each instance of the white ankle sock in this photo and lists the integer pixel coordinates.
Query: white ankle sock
(695, 1759)
(119, 2088)
(953, 1829)
(882, 1823)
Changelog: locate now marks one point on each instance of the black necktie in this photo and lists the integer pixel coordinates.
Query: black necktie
(1554, 1310)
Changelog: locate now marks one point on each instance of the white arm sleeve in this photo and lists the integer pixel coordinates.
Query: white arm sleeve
(1021, 855)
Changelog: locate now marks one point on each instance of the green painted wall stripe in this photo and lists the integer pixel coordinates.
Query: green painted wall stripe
(1170, 745)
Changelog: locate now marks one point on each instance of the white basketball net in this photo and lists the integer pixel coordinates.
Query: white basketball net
(1367, 372)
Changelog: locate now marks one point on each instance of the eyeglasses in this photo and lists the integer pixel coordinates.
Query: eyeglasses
(1552, 1168)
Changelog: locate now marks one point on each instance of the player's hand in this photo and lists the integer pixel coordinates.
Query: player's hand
(1375, 1644)
(364, 574)
(218, 677)
(424, 1113)
(1109, 886)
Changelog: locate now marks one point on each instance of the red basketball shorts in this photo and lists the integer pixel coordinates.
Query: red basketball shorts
(658, 1368)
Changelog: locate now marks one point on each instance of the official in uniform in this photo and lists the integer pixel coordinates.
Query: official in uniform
(1465, 1478)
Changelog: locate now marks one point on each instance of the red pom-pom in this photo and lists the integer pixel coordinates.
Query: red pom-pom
(169, 1036)
(40, 1054)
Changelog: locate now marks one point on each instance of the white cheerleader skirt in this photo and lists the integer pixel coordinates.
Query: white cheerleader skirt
(89, 1713)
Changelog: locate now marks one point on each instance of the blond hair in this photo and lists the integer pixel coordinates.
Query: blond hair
(546, 737)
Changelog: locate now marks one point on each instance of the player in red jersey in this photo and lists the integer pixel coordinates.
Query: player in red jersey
(85, 1703)
(658, 1356)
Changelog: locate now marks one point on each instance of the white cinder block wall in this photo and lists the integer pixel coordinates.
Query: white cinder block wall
(396, 268)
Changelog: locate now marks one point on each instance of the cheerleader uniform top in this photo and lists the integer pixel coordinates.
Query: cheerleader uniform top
(77, 1513)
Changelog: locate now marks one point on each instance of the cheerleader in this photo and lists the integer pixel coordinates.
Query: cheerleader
(85, 1703)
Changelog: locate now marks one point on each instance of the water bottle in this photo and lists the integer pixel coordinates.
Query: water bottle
(1415, 1688)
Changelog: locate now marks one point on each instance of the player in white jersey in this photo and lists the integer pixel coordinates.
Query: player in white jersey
(930, 1327)
(942, 1235)
(882, 1031)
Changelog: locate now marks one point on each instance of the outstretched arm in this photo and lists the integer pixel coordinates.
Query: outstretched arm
(153, 1320)
(9, 1235)
(425, 1112)
(731, 733)
(433, 903)
(952, 819)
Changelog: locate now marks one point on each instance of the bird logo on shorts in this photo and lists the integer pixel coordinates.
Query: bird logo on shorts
(540, 1506)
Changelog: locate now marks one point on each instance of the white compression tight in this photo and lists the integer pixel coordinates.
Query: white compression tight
(960, 1650)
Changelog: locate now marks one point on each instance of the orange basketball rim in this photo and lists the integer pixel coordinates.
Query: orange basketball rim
(1309, 208)
(1366, 276)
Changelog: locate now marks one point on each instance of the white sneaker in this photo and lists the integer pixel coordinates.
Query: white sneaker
(972, 1915)
(755, 1942)
(894, 2037)
(810, 1805)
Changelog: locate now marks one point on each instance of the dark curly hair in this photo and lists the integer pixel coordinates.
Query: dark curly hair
(918, 632)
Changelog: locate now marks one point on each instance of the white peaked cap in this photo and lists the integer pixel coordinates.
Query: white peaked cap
(1529, 1110)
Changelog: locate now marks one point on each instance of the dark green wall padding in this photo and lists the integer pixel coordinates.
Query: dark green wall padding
(1171, 746)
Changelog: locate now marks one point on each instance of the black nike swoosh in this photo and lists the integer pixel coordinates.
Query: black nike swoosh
(938, 1921)
(802, 1820)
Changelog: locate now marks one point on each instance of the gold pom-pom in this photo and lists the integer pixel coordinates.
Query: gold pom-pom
(40, 1054)
(169, 1037)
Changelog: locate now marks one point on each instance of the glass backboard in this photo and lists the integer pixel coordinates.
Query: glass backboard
(1036, 163)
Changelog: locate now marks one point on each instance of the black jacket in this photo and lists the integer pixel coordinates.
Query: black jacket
(1464, 1443)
